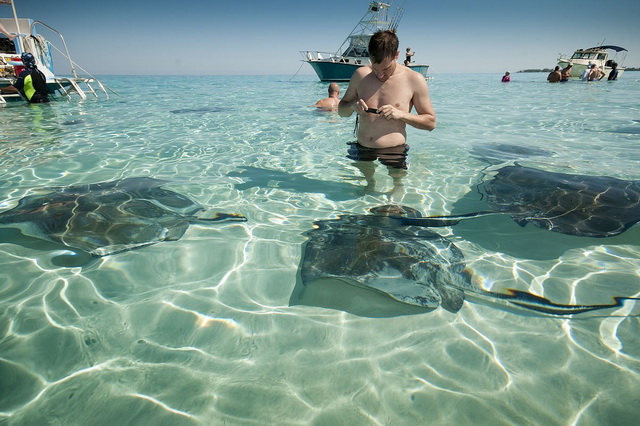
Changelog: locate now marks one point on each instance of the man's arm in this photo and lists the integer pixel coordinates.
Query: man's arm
(348, 102)
(8, 89)
(6, 32)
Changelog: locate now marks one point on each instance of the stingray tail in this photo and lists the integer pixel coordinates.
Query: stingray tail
(437, 221)
(546, 306)
(219, 217)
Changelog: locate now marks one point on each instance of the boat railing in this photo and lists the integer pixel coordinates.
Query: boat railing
(68, 85)
(5, 96)
(67, 55)
(315, 56)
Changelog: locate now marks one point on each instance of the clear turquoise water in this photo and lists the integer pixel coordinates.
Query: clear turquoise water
(202, 331)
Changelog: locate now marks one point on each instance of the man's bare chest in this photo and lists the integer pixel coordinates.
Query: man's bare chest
(386, 94)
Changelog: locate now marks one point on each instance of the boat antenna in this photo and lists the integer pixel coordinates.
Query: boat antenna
(397, 16)
(396, 19)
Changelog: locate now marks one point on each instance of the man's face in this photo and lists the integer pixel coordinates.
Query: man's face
(383, 70)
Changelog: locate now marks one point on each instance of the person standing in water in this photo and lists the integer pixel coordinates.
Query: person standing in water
(555, 75)
(613, 75)
(31, 83)
(565, 74)
(383, 96)
(330, 103)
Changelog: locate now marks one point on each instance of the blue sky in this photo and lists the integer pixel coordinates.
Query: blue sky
(251, 37)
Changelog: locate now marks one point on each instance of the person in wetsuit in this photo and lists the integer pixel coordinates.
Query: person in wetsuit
(613, 75)
(31, 83)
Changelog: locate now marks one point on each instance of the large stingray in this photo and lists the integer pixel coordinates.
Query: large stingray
(591, 206)
(109, 217)
(298, 182)
(495, 154)
(411, 264)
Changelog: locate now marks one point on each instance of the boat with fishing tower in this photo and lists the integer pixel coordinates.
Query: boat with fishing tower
(353, 53)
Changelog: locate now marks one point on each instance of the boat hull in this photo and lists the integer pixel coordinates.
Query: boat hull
(337, 71)
(422, 69)
(333, 71)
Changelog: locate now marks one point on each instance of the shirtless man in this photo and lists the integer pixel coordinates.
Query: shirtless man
(566, 72)
(595, 73)
(383, 95)
(330, 103)
(555, 75)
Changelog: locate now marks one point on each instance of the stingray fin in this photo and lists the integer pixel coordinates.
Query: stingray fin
(521, 222)
(452, 298)
(116, 248)
(406, 291)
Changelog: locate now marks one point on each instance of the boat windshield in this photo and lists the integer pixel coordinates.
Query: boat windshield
(358, 46)
(589, 55)
(583, 55)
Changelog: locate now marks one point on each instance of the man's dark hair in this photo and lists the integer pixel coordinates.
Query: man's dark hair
(383, 45)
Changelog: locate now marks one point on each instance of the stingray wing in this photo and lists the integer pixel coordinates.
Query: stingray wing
(105, 218)
(103, 228)
(594, 206)
(409, 265)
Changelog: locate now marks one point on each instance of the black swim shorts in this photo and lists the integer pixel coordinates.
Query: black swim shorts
(395, 156)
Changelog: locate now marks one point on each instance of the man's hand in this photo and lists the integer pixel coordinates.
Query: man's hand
(391, 113)
(361, 107)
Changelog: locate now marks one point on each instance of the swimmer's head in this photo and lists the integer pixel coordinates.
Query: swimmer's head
(28, 60)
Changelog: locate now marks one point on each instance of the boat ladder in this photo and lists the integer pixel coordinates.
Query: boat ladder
(5, 96)
(68, 86)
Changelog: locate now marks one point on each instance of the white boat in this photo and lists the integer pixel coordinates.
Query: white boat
(341, 64)
(599, 55)
(28, 40)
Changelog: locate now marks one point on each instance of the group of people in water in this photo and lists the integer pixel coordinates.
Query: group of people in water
(591, 73)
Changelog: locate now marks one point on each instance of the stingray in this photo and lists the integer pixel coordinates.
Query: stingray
(590, 206)
(495, 154)
(108, 217)
(411, 264)
(298, 182)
